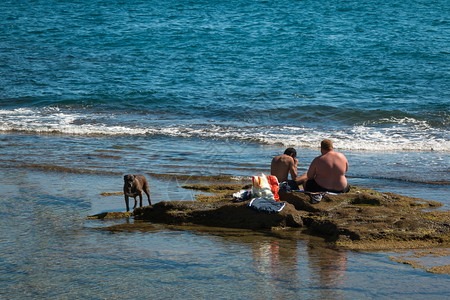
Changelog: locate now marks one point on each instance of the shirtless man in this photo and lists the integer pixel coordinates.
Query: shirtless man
(327, 172)
(285, 164)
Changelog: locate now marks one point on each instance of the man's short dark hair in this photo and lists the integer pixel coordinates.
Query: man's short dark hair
(291, 152)
(326, 144)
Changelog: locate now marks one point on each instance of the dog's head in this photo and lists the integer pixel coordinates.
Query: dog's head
(129, 181)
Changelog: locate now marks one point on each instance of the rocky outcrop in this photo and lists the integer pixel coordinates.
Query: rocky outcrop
(360, 219)
(218, 214)
(365, 219)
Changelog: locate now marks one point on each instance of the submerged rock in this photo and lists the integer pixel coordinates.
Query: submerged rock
(110, 215)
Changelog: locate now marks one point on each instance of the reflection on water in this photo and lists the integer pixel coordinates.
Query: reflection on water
(278, 260)
(328, 268)
(289, 263)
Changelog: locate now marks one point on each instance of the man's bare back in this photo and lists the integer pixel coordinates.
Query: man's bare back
(285, 164)
(282, 166)
(328, 170)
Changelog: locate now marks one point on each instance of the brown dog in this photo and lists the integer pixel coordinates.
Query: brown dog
(133, 187)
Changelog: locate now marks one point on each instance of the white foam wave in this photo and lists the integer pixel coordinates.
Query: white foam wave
(402, 135)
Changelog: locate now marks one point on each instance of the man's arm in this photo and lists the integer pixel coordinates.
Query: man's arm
(311, 174)
(293, 168)
(346, 162)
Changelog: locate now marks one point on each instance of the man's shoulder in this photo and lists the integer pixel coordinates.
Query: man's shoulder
(283, 158)
(316, 159)
(333, 154)
(275, 158)
(339, 154)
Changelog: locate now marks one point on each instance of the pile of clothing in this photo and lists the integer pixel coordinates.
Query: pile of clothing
(264, 194)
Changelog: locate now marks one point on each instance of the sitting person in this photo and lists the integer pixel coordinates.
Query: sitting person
(327, 172)
(285, 164)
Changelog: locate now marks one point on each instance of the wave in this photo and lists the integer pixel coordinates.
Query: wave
(276, 108)
(385, 134)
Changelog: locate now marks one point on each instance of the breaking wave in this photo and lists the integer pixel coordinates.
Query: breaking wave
(384, 135)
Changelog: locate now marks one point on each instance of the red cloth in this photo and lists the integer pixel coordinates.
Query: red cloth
(273, 182)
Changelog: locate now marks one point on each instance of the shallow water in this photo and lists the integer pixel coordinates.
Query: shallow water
(50, 250)
(408, 173)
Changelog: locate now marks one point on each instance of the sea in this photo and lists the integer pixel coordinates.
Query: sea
(181, 91)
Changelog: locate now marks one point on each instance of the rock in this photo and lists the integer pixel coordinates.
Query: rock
(371, 220)
(224, 214)
(110, 215)
(361, 219)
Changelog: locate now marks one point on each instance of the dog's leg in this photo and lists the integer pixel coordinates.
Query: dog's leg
(126, 203)
(140, 199)
(135, 202)
(147, 192)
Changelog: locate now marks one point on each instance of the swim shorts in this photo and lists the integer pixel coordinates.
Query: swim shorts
(312, 186)
(287, 186)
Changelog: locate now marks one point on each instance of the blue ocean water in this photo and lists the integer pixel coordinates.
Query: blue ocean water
(100, 88)
(369, 75)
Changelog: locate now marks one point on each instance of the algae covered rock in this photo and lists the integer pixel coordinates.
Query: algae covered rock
(365, 219)
(220, 214)
(110, 215)
(217, 209)
(360, 219)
